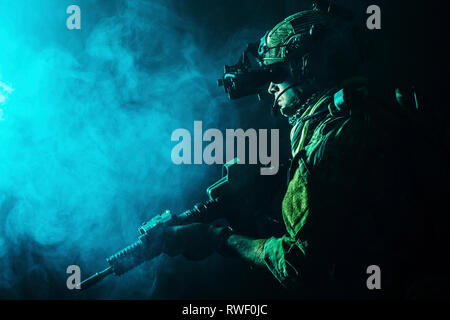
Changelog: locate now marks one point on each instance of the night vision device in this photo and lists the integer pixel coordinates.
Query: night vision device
(280, 53)
(249, 76)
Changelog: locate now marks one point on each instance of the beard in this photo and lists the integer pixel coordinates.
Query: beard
(297, 103)
(292, 106)
(300, 107)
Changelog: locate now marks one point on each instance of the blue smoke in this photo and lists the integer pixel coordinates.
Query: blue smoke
(85, 123)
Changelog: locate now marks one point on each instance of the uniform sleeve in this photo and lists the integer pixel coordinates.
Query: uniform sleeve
(281, 256)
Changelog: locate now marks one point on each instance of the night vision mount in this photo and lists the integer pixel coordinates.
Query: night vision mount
(247, 76)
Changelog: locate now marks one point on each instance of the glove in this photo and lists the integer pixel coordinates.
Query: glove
(195, 241)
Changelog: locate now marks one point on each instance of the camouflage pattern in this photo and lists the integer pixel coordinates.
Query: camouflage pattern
(284, 255)
(348, 178)
(296, 27)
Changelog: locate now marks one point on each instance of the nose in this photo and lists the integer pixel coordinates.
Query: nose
(273, 88)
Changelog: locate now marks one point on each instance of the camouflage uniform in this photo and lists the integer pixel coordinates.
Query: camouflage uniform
(343, 186)
(352, 198)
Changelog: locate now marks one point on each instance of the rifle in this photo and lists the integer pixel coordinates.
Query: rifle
(236, 177)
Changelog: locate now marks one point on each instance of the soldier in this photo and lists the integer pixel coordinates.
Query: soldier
(346, 204)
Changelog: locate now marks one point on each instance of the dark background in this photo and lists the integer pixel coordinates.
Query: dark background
(410, 49)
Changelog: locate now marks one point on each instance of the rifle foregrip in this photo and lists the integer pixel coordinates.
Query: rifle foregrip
(128, 258)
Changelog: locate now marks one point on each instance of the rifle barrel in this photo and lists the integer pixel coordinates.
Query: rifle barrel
(99, 276)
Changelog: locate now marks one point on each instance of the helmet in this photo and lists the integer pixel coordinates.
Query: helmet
(292, 36)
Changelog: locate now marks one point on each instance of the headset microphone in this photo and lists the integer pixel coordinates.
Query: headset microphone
(274, 106)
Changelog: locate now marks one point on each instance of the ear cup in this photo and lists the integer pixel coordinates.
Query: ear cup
(301, 48)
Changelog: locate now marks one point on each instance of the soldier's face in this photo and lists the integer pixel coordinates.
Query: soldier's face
(287, 95)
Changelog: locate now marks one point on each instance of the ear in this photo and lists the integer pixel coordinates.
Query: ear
(305, 67)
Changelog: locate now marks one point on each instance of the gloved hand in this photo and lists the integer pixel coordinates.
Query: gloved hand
(195, 241)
